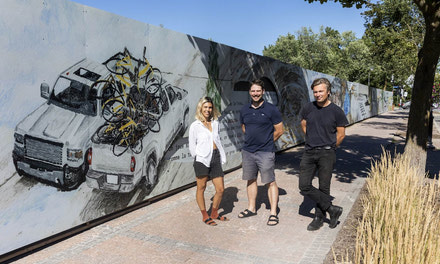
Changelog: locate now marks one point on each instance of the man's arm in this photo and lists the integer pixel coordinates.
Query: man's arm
(340, 135)
(243, 128)
(279, 130)
(304, 125)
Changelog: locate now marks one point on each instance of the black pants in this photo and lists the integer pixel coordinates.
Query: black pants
(322, 161)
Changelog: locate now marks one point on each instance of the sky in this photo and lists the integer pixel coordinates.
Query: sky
(245, 24)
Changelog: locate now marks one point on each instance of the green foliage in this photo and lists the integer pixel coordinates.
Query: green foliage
(345, 3)
(394, 34)
(328, 51)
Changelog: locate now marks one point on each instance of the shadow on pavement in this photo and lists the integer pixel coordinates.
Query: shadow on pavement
(262, 197)
(306, 207)
(354, 157)
(433, 164)
(229, 198)
(289, 160)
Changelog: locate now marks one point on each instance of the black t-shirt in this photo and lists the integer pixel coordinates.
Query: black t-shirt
(322, 123)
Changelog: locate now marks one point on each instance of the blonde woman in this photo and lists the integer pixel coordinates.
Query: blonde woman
(209, 155)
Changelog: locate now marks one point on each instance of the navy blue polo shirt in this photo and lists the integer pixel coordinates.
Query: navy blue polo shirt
(259, 128)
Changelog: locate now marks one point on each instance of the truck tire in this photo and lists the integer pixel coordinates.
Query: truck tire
(72, 180)
(19, 172)
(150, 173)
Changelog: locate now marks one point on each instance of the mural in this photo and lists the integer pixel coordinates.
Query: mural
(107, 127)
(134, 106)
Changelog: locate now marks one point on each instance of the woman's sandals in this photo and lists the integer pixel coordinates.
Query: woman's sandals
(222, 218)
(210, 222)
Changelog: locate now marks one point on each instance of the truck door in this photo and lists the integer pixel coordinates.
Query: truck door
(174, 110)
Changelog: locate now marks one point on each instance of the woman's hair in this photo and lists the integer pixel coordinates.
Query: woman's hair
(214, 114)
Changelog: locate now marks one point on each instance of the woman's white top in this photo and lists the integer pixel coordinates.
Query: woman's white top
(201, 139)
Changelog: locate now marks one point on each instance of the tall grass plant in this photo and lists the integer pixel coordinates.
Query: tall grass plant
(401, 220)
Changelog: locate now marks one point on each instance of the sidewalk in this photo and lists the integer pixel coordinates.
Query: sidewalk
(171, 230)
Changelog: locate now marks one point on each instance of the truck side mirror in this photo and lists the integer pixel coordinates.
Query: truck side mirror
(44, 90)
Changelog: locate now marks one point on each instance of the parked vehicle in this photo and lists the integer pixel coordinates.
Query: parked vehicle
(406, 105)
(119, 162)
(52, 142)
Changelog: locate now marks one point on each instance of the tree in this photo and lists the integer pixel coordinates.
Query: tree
(394, 35)
(303, 49)
(328, 52)
(357, 61)
(345, 3)
(418, 121)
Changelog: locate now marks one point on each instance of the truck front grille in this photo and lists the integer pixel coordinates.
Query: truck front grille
(43, 150)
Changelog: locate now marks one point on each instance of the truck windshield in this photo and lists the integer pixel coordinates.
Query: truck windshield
(74, 96)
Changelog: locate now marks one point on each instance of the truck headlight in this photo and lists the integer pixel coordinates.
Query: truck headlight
(19, 138)
(74, 154)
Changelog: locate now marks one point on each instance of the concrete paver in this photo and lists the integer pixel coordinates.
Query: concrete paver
(171, 230)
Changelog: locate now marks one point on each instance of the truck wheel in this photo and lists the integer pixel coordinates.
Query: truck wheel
(19, 172)
(72, 180)
(151, 173)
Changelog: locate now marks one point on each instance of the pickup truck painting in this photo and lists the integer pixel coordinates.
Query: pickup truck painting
(128, 147)
(117, 166)
(53, 142)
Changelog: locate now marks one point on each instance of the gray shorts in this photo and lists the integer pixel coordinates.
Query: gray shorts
(261, 161)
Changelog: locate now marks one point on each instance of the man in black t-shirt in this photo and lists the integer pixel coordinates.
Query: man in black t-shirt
(324, 126)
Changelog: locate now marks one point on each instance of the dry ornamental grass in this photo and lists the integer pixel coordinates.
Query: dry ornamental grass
(401, 218)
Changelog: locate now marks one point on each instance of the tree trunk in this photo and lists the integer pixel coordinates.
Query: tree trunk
(418, 121)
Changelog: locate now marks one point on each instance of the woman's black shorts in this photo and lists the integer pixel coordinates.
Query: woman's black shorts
(214, 170)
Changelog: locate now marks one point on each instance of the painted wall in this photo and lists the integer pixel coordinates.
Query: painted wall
(47, 42)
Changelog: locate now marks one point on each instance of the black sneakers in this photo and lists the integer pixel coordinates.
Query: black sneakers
(315, 224)
(335, 212)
